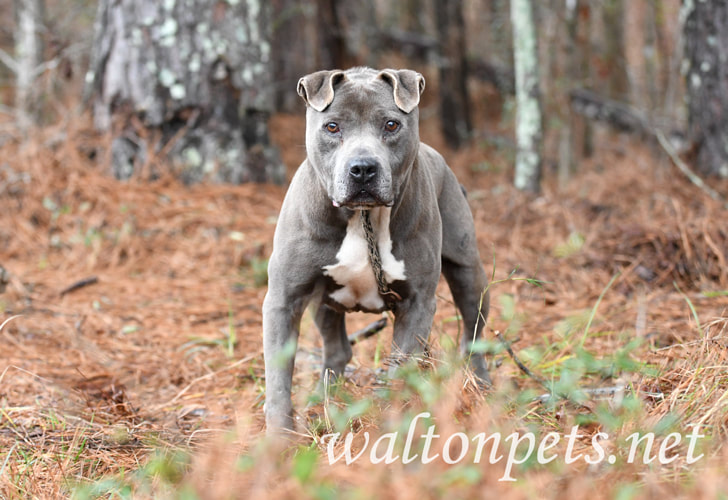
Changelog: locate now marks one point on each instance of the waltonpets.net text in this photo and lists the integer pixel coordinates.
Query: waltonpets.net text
(516, 448)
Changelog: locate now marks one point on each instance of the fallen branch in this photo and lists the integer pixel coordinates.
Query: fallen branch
(80, 284)
(602, 392)
(500, 77)
(683, 167)
(367, 331)
(551, 393)
(626, 118)
(413, 45)
(619, 115)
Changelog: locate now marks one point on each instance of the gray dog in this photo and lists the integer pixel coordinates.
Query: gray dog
(371, 218)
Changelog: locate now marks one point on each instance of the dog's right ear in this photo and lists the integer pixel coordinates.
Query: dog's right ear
(317, 89)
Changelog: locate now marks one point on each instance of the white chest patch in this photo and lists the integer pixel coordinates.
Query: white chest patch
(353, 270)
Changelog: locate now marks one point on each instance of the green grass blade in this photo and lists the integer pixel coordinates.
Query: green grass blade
(594, 309)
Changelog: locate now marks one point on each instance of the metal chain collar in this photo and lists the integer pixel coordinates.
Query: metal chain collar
(389, 296)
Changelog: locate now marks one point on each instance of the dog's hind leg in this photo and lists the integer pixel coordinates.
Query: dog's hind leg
(464, 272)
(337, 350)
(467, 285)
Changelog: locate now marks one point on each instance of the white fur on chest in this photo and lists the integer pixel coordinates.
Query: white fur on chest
(353, 270)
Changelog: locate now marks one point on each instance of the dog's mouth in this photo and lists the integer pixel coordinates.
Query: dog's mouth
(363, 200)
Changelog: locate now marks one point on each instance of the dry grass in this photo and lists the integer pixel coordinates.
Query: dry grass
(148, 383)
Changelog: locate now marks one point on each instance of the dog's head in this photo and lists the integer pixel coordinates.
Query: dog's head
(362, 132)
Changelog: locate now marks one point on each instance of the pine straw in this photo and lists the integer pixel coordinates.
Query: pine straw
(100, 379)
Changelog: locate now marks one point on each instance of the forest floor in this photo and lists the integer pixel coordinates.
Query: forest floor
(146, 379)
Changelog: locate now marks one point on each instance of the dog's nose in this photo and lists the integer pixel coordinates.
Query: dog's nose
(363, 170)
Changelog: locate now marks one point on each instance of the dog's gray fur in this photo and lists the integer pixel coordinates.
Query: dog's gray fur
(370, 157)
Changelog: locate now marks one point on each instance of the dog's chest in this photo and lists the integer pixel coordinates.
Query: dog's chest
(353, 271)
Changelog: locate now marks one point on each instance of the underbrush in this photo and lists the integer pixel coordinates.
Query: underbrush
(633, 421)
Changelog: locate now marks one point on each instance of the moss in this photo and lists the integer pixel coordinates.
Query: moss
(241, 34)
(177, 91)
(695, 80)
(528, 115)
(167, 33)
(166, 78)
(195, 64)
(192, 157)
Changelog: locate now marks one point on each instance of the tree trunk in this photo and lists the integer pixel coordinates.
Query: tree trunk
(583, 137)
(332, 43)
(706, 70)
(346, 33)
(28, 56)
(639, 52)
(571, 133)
(294, 50)
(528, 102)
(454, 102)
(617, 82)
(500, 34)
(189, 82)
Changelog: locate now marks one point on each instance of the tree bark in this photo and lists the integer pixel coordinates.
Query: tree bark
(294, 50)
(28, 56)
(571, 133)
(454, 102)
(185, 81)
(500, 34)
(617, 82)
(706, 72)
(528, 103)
(344, 31)
(332, 43)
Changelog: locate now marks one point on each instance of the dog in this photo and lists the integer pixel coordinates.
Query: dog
(371, 219)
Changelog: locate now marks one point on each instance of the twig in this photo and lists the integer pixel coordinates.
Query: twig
(367, 331)
(5, 323)
(538, 379)
(519, 364)
(42, 67)
(80, 284)
(7, 59)
(694, 178)
(594, 391)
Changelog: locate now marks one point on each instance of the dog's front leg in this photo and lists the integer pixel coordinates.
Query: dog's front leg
(281, 320)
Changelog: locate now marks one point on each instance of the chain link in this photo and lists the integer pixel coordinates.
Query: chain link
(389, 296)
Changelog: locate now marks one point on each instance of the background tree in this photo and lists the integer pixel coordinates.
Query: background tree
(186, 81)
(614, 58)
(291, 27)
(455, 117)
(706, 73)
(528, 112)
(28, 58)
(192, 81)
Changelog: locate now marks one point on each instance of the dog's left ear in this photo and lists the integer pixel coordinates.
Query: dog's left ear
(407, 87)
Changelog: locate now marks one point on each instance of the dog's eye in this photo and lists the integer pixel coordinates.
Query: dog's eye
(332, 127)
(391, 126)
